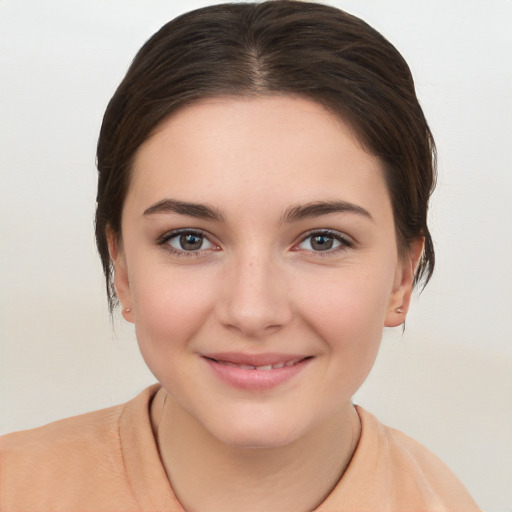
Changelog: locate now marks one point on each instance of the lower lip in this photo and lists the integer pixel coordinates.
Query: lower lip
(256, 380)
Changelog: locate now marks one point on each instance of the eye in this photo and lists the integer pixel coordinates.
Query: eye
(324, 241)
(186, 241)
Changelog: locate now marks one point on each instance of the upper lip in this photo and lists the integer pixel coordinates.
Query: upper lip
(254, 359)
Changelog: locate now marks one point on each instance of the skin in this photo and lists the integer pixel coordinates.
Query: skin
(259, 283)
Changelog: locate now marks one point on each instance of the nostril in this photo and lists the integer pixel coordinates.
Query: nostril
(254, 300)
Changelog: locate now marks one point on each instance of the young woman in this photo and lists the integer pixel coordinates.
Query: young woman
(264, 177)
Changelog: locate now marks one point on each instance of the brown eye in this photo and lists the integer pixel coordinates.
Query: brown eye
(325, 241)
(322, 242)
(189, 241)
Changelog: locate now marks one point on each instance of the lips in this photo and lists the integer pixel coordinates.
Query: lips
(256, 371)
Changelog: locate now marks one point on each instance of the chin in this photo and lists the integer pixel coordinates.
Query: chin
(257, 433)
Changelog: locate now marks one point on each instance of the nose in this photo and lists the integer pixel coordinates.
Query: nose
(255, 299)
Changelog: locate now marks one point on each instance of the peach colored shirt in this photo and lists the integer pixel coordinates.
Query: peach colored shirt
(107, 461)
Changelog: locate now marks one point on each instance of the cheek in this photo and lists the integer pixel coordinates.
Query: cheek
(348, 309)
(169, 306)
(349, 317)
(352, 297)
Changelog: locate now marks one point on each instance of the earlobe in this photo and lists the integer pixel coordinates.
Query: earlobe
(121, 280)
(404, 281)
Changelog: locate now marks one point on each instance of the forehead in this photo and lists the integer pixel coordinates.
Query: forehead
(281, 148)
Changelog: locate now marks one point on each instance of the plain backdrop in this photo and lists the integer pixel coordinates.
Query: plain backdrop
(447, 381)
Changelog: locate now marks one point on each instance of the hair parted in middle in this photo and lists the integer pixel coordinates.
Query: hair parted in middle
(279, 47)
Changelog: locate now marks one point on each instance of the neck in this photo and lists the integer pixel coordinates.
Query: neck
(207, 474)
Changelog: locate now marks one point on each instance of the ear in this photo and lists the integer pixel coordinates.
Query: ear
(402, 287)
(121, 281)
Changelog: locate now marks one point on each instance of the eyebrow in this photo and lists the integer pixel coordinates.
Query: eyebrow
(291, 214)
(318, 208)
(200, 211)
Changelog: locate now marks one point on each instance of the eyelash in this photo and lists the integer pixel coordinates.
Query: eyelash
(167, 237)
(344, 241)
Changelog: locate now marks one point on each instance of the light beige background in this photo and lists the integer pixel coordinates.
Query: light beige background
(447, 381)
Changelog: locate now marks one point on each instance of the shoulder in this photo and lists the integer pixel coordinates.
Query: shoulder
(65, 458)
(391, 472)
(76, 432)
(418, 476)
(405, 453)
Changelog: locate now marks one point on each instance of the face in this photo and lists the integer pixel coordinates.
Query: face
(260, 263)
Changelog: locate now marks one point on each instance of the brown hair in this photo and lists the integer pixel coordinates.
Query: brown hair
(274, 47)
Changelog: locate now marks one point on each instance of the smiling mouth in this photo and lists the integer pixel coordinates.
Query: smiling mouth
(264, 367)
(256, 372)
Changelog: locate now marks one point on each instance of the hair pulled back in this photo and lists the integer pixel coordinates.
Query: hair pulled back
(275, 47)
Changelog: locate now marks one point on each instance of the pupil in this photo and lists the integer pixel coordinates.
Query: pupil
(322, 243)
(191, 242)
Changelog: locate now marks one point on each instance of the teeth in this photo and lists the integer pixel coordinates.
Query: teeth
(262, 367)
